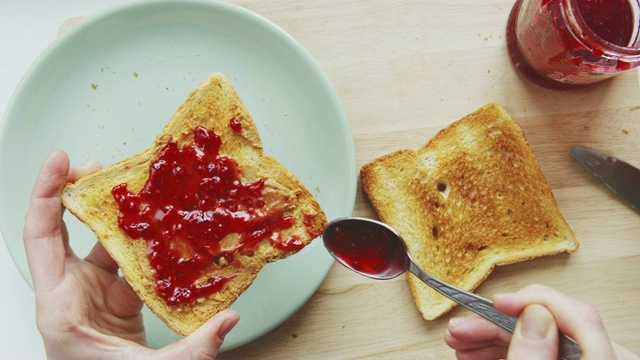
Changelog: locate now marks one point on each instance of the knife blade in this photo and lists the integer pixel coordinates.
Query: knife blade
(622, 178)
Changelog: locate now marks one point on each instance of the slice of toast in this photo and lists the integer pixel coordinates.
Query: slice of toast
(289, 216)
(472, 198)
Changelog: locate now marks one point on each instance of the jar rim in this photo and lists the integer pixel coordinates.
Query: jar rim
(581, 32)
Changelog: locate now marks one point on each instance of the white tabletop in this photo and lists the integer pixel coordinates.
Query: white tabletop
(37, 22)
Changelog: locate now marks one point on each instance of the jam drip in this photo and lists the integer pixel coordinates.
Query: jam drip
(197, 215)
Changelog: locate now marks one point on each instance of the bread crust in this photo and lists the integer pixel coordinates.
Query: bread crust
(474, 197)
(211, 105)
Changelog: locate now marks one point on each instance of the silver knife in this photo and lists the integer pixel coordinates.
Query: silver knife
(619, 176)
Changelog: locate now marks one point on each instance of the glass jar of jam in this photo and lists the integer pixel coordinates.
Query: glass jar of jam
(572, 44)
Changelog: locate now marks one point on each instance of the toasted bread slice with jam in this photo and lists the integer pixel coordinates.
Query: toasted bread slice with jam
(472, 198)
(194, 218)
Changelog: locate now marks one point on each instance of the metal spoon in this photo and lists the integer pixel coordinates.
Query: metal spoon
(376, 250)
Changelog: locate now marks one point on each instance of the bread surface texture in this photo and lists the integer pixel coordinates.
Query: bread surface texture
(212, 105)
(472, 198)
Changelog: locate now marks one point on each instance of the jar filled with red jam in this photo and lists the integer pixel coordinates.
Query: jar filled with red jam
(572, 44)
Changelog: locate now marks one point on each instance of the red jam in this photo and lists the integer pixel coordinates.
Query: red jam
(235, 124)
(544, 48)
(193, 199)
(367, 250)
(612, 20)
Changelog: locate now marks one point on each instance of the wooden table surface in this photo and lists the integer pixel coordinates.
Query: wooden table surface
(406, 69)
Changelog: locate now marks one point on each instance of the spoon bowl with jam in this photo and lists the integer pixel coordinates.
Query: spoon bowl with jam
(374, 249)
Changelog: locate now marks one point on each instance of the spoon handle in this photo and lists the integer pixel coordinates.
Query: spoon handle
(568, 348)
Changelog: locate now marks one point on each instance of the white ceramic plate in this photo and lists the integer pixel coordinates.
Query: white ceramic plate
(143, 59)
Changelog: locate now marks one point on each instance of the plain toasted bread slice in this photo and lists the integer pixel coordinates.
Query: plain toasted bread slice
(213, 105)
(472, 198)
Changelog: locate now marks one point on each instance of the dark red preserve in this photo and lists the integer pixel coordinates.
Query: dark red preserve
(367, 249)
(571, 44)
(192, 200)
(235, 124)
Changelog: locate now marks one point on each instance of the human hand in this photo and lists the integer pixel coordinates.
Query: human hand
(543, 313)
(83, 308)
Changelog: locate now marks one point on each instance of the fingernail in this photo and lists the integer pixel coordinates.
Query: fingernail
(88, 165)
(457, 321)
(226, 327)
(535, 323)
(500, 296)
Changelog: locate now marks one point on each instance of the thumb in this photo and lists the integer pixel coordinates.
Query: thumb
(205, 342)
(535, 335)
